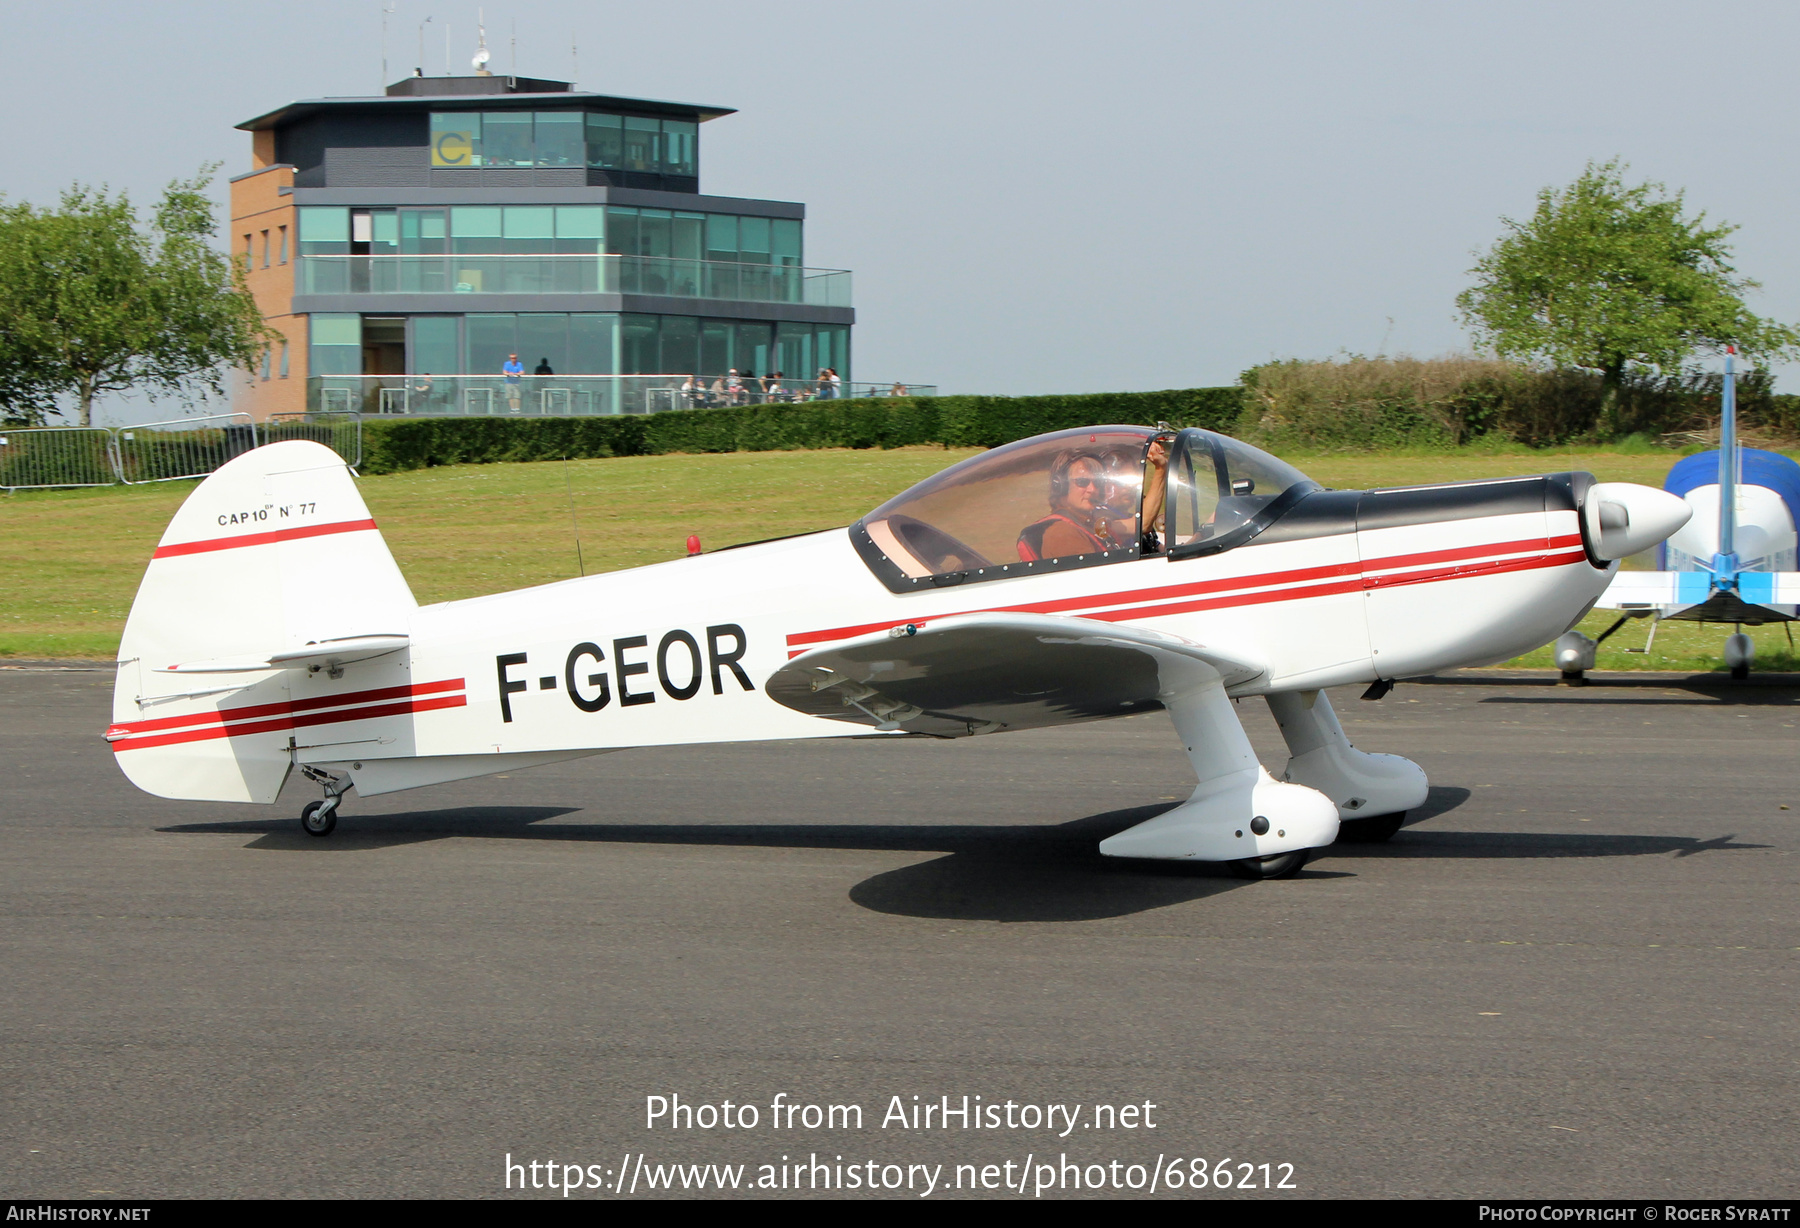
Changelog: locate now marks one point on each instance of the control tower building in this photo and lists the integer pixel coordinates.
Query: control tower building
(404, 246)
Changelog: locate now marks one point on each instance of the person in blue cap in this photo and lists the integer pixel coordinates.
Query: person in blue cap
(513, 371)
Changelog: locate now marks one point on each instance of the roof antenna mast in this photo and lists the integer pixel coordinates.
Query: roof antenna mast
(386, 12)
(481, 52)
(420, 70)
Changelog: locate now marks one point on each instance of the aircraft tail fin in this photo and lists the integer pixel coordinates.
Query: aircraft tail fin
(273, 565)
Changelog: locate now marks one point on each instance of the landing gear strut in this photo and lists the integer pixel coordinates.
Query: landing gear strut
(320, 818)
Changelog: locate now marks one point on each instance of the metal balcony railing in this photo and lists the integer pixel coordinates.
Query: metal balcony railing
(719, 280)
(570, 395)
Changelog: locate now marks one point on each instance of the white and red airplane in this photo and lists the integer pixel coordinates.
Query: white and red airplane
(1069, 577)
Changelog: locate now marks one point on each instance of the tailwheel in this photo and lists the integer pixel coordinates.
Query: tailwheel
(1740, 655)
(319, 818)
(1280, 865)
(1373, 830)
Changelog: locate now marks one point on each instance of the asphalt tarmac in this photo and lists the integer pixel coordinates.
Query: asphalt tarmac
(1573, 974)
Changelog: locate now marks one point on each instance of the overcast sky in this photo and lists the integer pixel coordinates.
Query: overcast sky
(1036, 197)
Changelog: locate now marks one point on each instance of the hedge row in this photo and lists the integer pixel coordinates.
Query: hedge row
(1358, 404)
(394, 444)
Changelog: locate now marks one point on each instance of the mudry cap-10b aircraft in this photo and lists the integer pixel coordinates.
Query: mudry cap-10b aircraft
(1069, 577)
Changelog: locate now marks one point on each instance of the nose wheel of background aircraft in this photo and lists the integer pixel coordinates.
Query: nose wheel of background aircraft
(1281, 865)
(319, 818)
(1372, 830)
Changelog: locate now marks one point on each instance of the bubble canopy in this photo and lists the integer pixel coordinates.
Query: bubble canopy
(1076, 498)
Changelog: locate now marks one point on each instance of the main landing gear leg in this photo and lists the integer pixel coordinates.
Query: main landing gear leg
(1372, 793)
(320, 818)
(1238, 813)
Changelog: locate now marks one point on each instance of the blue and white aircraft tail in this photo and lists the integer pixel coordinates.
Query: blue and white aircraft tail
(1733, 562)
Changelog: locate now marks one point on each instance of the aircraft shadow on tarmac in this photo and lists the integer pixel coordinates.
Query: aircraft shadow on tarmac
(1049, 872)
(1750, 699)
(1703, 690)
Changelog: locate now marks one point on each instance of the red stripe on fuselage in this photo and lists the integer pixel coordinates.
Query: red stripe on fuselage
(264, 539)
(249, 712)
(1135, 597)
(283, 723)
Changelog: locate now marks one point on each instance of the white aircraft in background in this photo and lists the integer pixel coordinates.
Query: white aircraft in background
(1069, 577)
(1733, 562)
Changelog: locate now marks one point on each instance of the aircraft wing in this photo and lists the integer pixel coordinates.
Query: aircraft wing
(981, 673)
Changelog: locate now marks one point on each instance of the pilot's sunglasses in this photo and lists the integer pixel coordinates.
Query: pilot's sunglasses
(1084, 482)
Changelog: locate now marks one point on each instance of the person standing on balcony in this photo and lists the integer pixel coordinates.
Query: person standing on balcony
(543, 368)
(514, 371)
(717, 395)
(734, 387)
(823, 390)
(833, 383)
(691, 392)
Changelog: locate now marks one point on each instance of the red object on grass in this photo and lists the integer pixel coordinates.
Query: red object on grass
(693, 544)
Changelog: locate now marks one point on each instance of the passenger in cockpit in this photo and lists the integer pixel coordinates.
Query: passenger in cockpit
(1094, 506)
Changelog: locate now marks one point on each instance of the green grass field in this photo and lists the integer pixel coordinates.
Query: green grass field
(74, 557)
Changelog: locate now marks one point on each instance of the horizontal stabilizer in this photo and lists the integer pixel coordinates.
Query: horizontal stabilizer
(327, 654)
(1769, 587)
(1645, 589)
(981, 673)
(1636, 590)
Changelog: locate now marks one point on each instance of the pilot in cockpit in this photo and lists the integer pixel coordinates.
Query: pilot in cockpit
(1094, 505)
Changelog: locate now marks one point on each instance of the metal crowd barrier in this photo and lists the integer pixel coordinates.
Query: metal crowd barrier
(182, 448)
(339, 430)
(47, 457)
(52, 457)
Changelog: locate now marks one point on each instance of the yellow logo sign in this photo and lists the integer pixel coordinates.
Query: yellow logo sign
(452, 149)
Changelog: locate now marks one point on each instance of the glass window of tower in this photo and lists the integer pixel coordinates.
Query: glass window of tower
(506, 139)
(560, 138)
(606, 142)
(464, 139)
(529, 228)
(475, 228)
(336, 344)
(422, 232)
(681, 147)
(580, 228)
(324, 232)
(643, 144)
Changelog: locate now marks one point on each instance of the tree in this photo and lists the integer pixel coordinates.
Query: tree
(92, 302)
(1611, 277)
